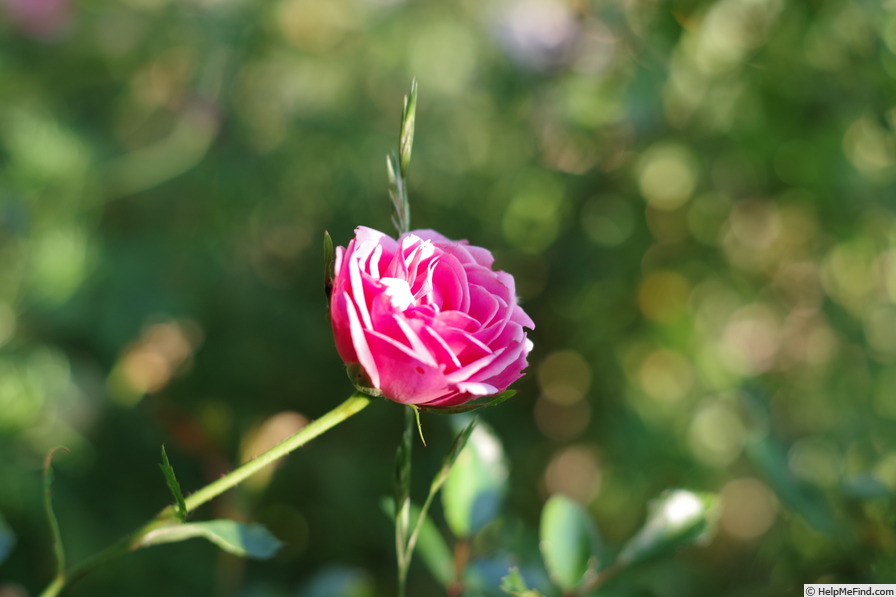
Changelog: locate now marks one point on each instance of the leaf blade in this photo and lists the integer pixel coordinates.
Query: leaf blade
(569, 542)
(475, 486)
(240, 539)
(173, 486)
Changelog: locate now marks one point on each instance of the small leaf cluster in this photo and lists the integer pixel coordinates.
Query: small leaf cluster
(484, 552)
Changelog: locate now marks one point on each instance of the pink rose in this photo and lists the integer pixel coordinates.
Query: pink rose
(426, 318)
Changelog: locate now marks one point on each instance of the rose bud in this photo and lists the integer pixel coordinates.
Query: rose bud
(425, 320)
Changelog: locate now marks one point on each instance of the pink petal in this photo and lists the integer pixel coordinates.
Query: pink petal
(483, 305)
(362, 348)
(404, 378)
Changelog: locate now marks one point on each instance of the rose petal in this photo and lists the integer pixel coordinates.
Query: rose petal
(483, 305)
(439, 348)
(404, 378)
(362, 348)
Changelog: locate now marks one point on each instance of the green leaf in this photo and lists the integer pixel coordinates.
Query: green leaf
(7, 540)
(513, 584)
(476, 484)
(237, 538)
(473, 405)
(677, 518)
(174, 486)
(569, 541)
(457, 447)
(58, 549)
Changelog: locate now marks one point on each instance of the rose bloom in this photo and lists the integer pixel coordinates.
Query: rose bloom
(426, 318)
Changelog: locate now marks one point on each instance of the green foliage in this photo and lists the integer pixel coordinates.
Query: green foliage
(433, 550)
(237, 538)
(806, 500)
(569, 542)
(676, 519)
(411, 526)
(476, 484)
(174, 487)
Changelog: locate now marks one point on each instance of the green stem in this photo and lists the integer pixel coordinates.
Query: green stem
(403, 505)
(433, 490)
(353, 405)
(54, 587)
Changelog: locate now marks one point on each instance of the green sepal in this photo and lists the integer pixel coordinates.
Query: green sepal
(419, 424)
(472, 405)
(58, 549)
(359, 379)
(329, 260)
(237, 538)
(174, 486)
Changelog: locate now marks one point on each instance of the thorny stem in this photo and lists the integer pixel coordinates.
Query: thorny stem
(167, 516)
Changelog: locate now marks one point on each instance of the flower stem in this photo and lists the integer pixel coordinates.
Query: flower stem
(403, 500)
(132, 541)
(353, 405)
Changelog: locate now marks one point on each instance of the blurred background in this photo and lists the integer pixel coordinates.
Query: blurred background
(696, 199)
